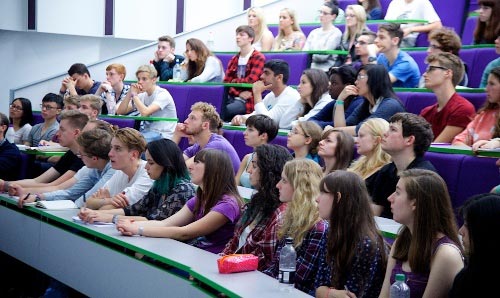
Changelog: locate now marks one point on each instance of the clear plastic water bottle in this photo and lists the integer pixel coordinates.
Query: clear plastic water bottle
(177, 71)
(210, 41)
(399, 289)
(288, 261)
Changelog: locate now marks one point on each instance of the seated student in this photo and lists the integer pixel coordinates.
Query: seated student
(165, 58)
(445, 40)
(480, 130)
(327, 37)
(51, 107)
(244, 67)
(290, 36)
(303, 140)
(256, 231)
(452, 112)
(380, 101)
(130, 182)
(21, 118)
(365, 49)
(94, 148)
(491, 65)
(199, 124)
(10, 157)
(339, 78)
(201, 65)
(427, 248)
(150, 100)
(369, 146)
(72, 124)
(480, 215)
(354, 256)
(260, 130)
(208, 219)
(402, 68)
(373, 9)
(413, 10)
(488, 22)
(313, 90)
(354, 25)
(113, 90)
(299, 188)
(341, 15)
(90, 105)
(406, 141)
(78, 82)
(264, 38)
(274, 78)
(336, 149)
(170, 191)
(71, 102)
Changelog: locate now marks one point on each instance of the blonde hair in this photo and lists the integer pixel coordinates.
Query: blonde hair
(262, 27)
(295, 26)
(148, 69)
(302, 212)
(360, 14)
(364, 165)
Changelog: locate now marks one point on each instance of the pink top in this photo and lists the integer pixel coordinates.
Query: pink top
(480, 128)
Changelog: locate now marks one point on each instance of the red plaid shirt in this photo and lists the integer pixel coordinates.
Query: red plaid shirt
(255, 66)
(261, 241)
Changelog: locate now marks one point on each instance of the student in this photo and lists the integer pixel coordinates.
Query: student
(256, 231)
(452, 112)
(72, 124)
(313, 90)
(21, 118)
(202, 66)
(290, 36)
(90, 105)
(299, 188)
(380, 101)
(355, 23)
(244, 67)
(264, 38)
(51, 107)
(208, 219)
(413, 10)
(372, 8)
(488, 22)
(170, 191)
(336, 149)
(408, 138)
(427, 248)
(198, 125)
(365, 49)
(130, 182)
(165, 58)
(150, 100)
(402, 68)
(369, 147)
(71, 102)
(327, 37)
(303, 140)
(10, 157)
(491, 65)
(260, 129)
(274, 78)
(480, 214)
(484, 125)
(113, 90)
(355, 255)
(340, 77)
(78, 82)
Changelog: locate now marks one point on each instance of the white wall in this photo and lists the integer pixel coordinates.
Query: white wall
(14, 14)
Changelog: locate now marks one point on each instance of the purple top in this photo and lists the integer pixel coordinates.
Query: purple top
(217, 142)
(418, 281)
(216, 241)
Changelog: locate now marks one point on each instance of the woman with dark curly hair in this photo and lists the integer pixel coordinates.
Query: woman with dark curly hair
(256, 231)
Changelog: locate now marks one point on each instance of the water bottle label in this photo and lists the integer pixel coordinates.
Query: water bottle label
(286, 277)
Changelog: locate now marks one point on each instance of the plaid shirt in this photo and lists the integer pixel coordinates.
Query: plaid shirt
(308, 257)
(261, 241)
(255, 66)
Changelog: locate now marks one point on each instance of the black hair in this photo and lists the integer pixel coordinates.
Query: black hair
(279, 66)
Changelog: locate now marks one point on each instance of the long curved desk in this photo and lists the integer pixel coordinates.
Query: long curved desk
(99, 262)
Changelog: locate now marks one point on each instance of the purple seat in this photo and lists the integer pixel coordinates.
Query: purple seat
(419, 57)
(37, 118)
(467, 56)
(121, 123)
(224, 58)
(280, 140)
(473, 5)
(422, 40)
(274, 29)
(451, 15)
(468, 33)
(403, 97)
(416, 101)
(385, 5)
(343, 3)
(236, 138)
(298, 63)
(482, 57)
(477, 99)
(308, 28)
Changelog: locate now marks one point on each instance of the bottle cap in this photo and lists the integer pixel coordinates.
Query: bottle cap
(400, 277)
(289, 240)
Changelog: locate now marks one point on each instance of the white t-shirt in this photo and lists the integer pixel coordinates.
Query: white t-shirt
(275, 107)
(134, 189)
(294, 111)
(164, 100)
(20, 136)
(415, 10)
(319, 39)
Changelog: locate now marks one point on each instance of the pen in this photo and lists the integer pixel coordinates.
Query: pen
(27, 196)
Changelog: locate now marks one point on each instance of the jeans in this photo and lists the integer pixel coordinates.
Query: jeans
(231, 107)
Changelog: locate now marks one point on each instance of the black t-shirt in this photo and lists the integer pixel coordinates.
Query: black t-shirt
(387, 179)
(68, 162)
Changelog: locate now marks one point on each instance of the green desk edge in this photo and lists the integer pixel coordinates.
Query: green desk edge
(43, 153)
(281, 132)
(464, 151)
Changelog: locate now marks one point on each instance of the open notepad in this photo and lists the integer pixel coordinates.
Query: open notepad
(56, 205)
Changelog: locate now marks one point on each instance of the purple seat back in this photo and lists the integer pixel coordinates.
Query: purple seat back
(343, 3)
(274, 30)
(280, 140)
(468, 33)
(403, 97)
(180, 95)
(385, 5)
(477, 99)
(297, 61)
(121, 123)
(37, 118)
(236, 138)
(467, 56)
(473, 5)
(224, 58)
(422, 40)
(419, 57)
(416, 101)
(482, 57)
(308, 28)
(451, 15)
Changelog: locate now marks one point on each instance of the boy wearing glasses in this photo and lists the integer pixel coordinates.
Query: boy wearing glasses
(51, 107)
(451, 114)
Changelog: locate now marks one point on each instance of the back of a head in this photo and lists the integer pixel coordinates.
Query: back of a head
(451, 62)
(78, 68)
(73, 100)
(95, 142)
(279, 66)
(417, 126)
(4, 121)
(101, 124)
(263, 124)
(132, 139)
(75, 118)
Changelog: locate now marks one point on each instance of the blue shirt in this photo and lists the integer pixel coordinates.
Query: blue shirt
(325, 116)
(404, 69)
(385, 108)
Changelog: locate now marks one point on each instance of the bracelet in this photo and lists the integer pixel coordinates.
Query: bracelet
(328, 292)
(115, 219)
(140, 231)
(37, 198)
(339, 102)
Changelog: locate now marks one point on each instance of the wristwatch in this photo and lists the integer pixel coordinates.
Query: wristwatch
(37, 198)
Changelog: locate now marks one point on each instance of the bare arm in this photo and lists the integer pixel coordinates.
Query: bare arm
(445, 264)
(391, 262)
(448, 133)
(243, 166)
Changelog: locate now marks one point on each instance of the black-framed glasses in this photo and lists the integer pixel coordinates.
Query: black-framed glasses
(48, 108)
(15, 108)
(434, 67)
(362, 43)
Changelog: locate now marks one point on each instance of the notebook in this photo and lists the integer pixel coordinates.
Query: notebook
(56, 205)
